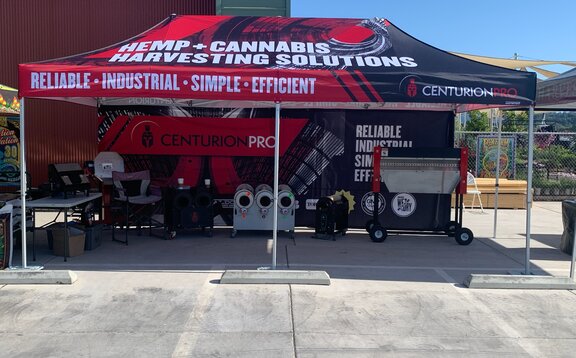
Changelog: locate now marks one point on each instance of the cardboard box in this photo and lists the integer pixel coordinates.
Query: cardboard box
(75, 243)
(511, 194)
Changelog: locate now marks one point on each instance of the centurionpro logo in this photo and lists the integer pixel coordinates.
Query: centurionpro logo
(198, 136)
(409, 86)
(147, 137)
(476, 92)
(225, 141)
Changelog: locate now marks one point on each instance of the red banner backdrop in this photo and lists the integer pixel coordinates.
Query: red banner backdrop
(239, 137)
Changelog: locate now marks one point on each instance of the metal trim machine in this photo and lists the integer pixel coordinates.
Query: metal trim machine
(286, 208)
(188, 208)
(421, 171)
(67, 178)
(253, 208)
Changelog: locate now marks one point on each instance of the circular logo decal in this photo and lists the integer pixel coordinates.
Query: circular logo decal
(143, 134)
(368, 203)
(403, 204)
(409, 86)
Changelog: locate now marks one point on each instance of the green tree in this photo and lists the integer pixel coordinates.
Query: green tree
(514, 121)
(458, 124)
(478, 122)
(555, 158)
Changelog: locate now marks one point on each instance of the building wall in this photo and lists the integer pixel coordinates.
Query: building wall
(253, 7)
(34, 30)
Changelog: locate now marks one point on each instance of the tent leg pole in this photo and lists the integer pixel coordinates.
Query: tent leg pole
(529, 194)
(23, 185)
(276, 171)
(572, 261)
(497, 184)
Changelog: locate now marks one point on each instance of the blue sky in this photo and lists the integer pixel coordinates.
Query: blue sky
(501, 28)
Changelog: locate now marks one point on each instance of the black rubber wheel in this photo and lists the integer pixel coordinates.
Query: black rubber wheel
(378, 233)
(369, 225)
(451, 228)
(463, 236)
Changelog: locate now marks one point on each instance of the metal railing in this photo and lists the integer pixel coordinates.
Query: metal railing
(554, 171)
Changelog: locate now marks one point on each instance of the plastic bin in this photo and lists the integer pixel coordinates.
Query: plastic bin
(93, 234)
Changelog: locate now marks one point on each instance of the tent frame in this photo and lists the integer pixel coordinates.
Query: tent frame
(338, 90)
(277, 107)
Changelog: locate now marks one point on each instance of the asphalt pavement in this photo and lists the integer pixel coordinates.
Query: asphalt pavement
(402, 298)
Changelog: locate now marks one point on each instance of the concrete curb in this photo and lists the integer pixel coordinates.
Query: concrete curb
(275, 277)
(29, 277)
(520, 282)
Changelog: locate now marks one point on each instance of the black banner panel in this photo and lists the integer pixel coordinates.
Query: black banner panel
(322, 152)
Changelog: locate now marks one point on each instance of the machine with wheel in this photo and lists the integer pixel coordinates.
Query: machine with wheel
(264, 198)
(286, 208)
(244, 215)
(409, 171)
(253, 208)
(188, 208)
(331, 217)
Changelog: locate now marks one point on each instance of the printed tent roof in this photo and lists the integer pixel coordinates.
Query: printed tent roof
(255, 61)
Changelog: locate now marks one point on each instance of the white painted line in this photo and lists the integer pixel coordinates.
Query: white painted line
(176, 266)
(190, 331)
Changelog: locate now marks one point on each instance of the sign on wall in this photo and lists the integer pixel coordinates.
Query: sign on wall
(487, 152)
(5, 240)
(9, 151)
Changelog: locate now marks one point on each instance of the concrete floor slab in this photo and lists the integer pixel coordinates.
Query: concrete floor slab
(294, 277)
(43, 277)
(402, 297)
(520, 282)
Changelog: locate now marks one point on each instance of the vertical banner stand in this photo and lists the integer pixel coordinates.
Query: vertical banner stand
(23, 185)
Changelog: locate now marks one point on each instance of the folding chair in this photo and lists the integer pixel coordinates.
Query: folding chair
(473, 189)
(132, 204)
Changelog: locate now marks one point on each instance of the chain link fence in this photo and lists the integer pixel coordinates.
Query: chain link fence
(554, 170)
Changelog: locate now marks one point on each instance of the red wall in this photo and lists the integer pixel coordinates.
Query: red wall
(32, 30)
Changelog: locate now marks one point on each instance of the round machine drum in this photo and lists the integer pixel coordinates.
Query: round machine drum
(183, 200)
(285, 197)
(244, 197)
(324, 203)
(261, 187)
(203, 199)
(247, 187)
(265, 199)
(264, 196)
